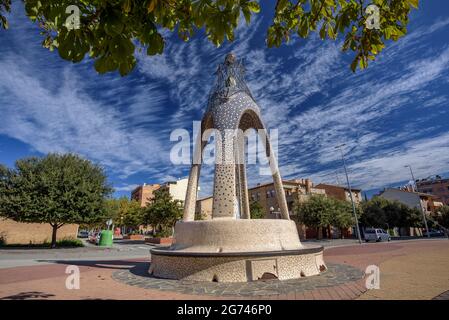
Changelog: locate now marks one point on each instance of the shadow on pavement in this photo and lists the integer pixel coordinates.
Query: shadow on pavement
(126, 242)
(139, 268)
(28, 295)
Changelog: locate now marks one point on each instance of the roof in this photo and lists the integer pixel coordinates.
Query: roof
(413, 192)
(337, 186)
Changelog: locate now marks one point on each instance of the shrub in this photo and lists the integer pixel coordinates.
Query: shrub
(69, 242)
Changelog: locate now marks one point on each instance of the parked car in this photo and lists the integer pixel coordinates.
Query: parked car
(95, 237)
(83, 234)
(376, 235)
(434, 233)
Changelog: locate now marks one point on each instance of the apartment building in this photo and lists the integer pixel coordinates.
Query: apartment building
(421, 201)
(341, 192)
(265, 194)
(144, 193)
(436, 186)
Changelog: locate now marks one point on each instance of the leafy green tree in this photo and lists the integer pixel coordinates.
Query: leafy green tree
(55, 189)
(443, 216)
(124, 212)
(5, 6)
(315, 212)
(131, 213)
(342, 216)
(256, 210)
(380, 212)
(109, 31)
(162, 212)
(374, 214)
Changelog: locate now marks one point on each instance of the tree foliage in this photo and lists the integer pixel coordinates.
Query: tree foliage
(443, 216)
(343, 216)
(110, 30)
(125, 212)
(320, 211)
(380, 212)
(315, 212)
(162, 211)
(5, 6)
(256, 210)
(55, 189)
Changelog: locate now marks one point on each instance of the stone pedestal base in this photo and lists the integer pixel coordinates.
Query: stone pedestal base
(282, 265)
(236, 251)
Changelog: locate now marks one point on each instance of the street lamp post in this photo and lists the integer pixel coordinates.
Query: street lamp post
(414, 186)
(275, 212)
(420, 204)
(350, 193)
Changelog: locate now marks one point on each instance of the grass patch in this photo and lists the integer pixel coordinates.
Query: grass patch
(63, 243)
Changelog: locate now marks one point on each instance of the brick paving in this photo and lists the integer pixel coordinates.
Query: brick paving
(405, 274)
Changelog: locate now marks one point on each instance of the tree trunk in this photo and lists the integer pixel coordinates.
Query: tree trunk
(342, 235)
(53, 235)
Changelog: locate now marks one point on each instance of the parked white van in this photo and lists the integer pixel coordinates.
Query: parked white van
(376, 235)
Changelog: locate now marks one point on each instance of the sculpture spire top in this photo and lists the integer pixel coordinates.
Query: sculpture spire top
(230, 80)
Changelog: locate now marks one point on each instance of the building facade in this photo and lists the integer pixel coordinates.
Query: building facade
(177, 189)
(341, 192)
(295, 190)
(424, 202)
(144, 193)
(437, 186)
(203, 209)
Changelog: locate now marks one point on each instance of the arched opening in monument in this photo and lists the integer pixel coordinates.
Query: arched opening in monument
(215, 278)
(268, 276)
(205, 157)
(256, 161)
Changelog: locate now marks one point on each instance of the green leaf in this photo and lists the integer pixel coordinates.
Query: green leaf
(254, 6)
(156, 45)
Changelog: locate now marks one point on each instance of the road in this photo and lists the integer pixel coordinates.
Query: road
(121, 250)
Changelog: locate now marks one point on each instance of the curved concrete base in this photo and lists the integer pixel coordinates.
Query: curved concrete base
(236, 251)
(283, 265)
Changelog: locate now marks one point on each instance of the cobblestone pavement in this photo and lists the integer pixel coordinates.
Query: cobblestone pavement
(336, 274)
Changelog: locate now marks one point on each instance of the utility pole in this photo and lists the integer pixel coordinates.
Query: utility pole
(350, 193)
(415, 189)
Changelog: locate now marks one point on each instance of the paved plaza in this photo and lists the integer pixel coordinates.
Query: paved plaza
(413, 269)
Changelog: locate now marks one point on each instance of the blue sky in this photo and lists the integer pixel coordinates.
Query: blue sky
(394, 113)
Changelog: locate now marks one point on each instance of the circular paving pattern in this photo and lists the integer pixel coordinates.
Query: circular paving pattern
(336, 274)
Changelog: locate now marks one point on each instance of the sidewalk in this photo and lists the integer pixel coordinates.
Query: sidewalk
(408, 270)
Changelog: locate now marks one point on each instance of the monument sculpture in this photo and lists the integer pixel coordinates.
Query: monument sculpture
(232, 247)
